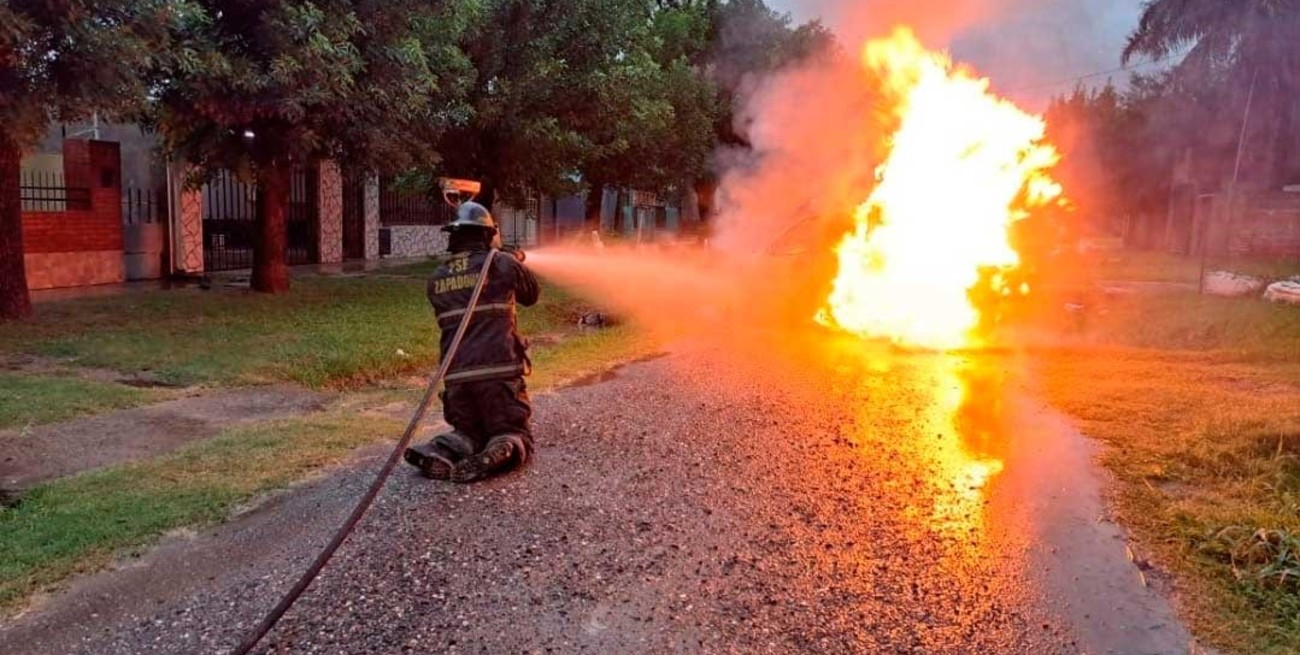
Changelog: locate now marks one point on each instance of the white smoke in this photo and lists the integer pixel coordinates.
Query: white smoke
(817, 138)
(1032, 49)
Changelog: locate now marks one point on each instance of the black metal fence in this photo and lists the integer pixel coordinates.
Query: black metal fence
(403, 205)
(143, 206)
(45, 191)
(230, 221)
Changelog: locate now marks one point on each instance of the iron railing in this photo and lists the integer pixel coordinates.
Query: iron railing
(399, 205)
(230, 220)
(143, 206)
(45, 191)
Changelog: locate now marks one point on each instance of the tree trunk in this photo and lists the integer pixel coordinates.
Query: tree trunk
(705, 190)
(15, 301)
(270, 270)
(595, 203)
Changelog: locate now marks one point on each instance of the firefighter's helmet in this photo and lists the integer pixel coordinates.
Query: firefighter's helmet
(472, 214)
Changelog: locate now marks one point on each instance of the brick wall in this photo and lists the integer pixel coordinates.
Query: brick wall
(72, 231)
(79, 247)
(1270, 226)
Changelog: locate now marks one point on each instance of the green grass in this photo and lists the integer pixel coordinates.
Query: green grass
(328, 332)
(1243, 328)
(593, 352)
(36, 399)
(1198, 403)
(77, 524)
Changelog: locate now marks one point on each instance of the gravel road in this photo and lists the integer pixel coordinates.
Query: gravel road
(868, 502)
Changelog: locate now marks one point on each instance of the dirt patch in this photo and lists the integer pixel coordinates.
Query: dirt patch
(1175, 488)
(38, 365)
(609, 374)
(140, 383)
(593, 379)
(52, 451)
(547, 340)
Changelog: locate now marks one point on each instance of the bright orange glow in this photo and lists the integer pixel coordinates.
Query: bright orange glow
(962, 167)
(961, 470)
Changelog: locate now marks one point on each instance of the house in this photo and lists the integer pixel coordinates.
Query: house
(72, 216)
(101, 211)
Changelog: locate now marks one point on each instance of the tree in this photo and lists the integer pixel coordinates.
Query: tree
(745, 39)
(571, 94)
(665, 113)
(64, 61)
(590, 93)
(553, 87)
(1239, 44)
(1121, 147)
(262, 86)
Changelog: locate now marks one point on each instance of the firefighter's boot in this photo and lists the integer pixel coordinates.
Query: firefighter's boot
(438, 458)
(502, 452)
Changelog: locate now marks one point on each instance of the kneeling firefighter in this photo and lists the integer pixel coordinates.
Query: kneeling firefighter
(485, 399)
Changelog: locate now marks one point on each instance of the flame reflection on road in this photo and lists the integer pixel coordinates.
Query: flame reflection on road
(965, 410)
(940, 417)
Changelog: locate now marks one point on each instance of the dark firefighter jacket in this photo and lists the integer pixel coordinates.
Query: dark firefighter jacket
(492, 348)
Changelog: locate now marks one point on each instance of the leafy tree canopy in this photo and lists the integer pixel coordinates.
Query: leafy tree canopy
(65, 60)
(264, 82)
(1238, 49)
(554, 84)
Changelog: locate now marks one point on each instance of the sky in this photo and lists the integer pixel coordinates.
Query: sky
(1028, 47)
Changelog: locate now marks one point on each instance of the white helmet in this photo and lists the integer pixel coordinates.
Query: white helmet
(472, 214)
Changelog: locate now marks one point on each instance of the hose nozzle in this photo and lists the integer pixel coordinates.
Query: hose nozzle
(516, 252)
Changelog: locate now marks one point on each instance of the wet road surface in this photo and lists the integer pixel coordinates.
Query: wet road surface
(846, 502)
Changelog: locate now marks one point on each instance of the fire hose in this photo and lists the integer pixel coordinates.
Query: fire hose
(344, 530)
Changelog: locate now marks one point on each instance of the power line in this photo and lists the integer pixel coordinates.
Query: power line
(1089, 76)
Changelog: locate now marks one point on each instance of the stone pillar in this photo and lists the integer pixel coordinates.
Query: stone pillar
(187, 223)
(329, 213)
(371, 212)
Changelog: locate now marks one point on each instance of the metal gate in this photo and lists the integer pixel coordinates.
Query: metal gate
(230, 221)
(518, 225)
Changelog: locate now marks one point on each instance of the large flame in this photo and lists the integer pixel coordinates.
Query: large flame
(962, 167)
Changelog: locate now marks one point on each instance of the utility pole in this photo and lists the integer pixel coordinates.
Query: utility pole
(1232, 186)
(93, 130)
